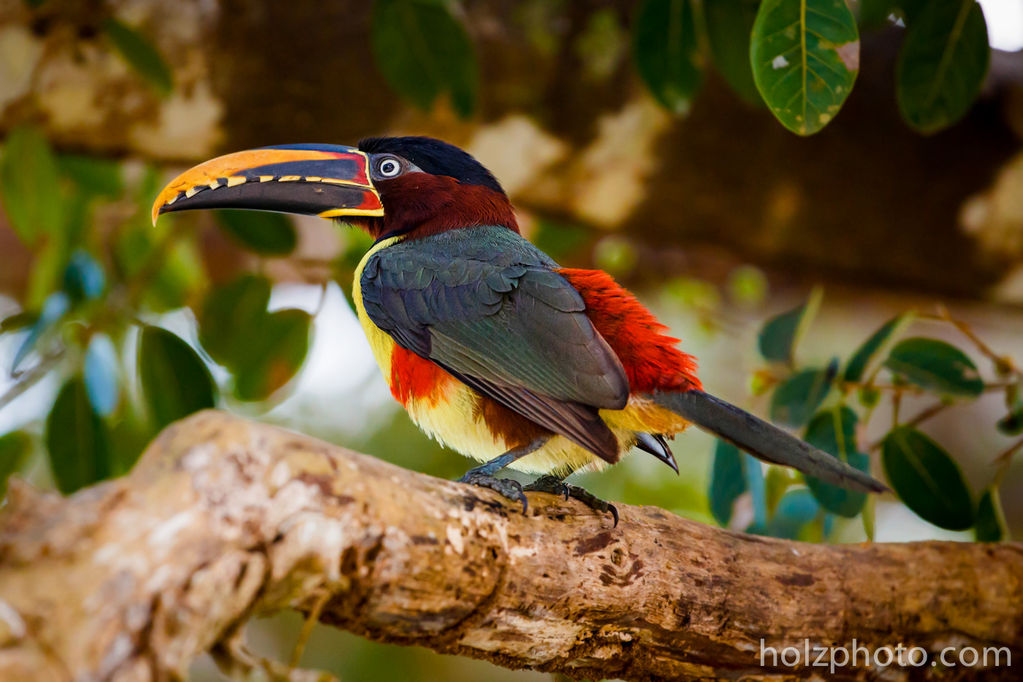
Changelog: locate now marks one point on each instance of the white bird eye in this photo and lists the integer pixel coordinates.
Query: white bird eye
(388, 168)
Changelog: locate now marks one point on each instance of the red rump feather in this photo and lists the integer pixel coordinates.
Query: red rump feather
(651, 360)
(415, 377)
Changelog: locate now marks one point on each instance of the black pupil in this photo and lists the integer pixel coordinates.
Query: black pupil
(388, 167)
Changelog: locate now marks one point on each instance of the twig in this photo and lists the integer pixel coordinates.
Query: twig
(30, 378)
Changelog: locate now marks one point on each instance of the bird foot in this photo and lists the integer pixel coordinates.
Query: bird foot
(505, 486)
(555, 486)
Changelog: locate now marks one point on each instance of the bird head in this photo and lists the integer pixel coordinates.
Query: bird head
(389, 186)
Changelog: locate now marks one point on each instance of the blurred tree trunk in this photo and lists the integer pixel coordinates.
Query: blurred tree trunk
(563, 122)
(224, 519)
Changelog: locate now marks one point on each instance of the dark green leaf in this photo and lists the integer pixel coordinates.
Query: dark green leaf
(77, 439)
(54, 308)
(727, 481)
(729, 24)
(129, 437)
(1012, 423)
(781, 334)
(274, 356)
(83, 277)
(805, 56)
(795, 509)
(798, 397)
(14, 450)
(140, 54)
(232, 317)
(942, 64)
(927, 479)
(101, 375)
(270, 234)
(863, 359)
(666, 51)
(30, 185)
(990, 525)
(175, 380)
(100, 177)
(834, 432)
(936, 366)
(17, 321)
(422, 50)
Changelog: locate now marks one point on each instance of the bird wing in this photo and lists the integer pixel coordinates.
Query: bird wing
(489, 307)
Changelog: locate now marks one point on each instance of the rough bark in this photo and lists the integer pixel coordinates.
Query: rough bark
(223, 519)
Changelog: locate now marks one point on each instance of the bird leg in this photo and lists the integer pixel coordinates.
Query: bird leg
(556, 485)
(483, 475)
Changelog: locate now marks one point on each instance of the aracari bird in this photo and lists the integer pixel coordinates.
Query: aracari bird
(492, 347)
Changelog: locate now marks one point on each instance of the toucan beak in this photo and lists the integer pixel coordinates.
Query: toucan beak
(327, 180)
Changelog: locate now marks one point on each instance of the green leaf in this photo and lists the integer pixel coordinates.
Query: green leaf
(263, 350)
(101, 375)
(729, 25)
(270, 234)
(175, 381)
(179, 279)
(14, 450)
(18, 321)
(727, 481)
(1012, 423)
(140, 54)
(232, 316)
(795, 509)
(990, 525)
(927, 479)
(936, 366)
(797, 398)
(834, 432)
(99, 177)
(666, 51)
(273, 357)
(77, 439)
(422, 50)
(942, 64)
(866, 356)
(805, 56)
(781, 334)
(30, 185)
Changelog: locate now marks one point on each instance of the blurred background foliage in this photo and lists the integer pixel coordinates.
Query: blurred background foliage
(650, 138)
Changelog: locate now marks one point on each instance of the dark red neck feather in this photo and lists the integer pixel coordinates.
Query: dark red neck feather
(419, 205)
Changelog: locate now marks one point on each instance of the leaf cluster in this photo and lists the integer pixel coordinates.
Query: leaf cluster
(831, 404)
(102, 283)
(800, 58)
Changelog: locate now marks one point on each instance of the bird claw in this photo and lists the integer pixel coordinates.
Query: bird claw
(555, 486)
(549, 484)
(507, 487)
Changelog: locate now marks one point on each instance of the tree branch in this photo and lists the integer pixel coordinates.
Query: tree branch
(223, 519)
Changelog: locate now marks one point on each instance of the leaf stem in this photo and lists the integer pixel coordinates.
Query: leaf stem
(31, 377)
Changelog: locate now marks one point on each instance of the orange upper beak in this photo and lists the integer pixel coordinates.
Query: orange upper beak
(330, 181)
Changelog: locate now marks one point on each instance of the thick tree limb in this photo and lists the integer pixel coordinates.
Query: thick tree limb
(223, 519)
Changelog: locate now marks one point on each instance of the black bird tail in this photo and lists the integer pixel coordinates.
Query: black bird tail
(763, 440)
